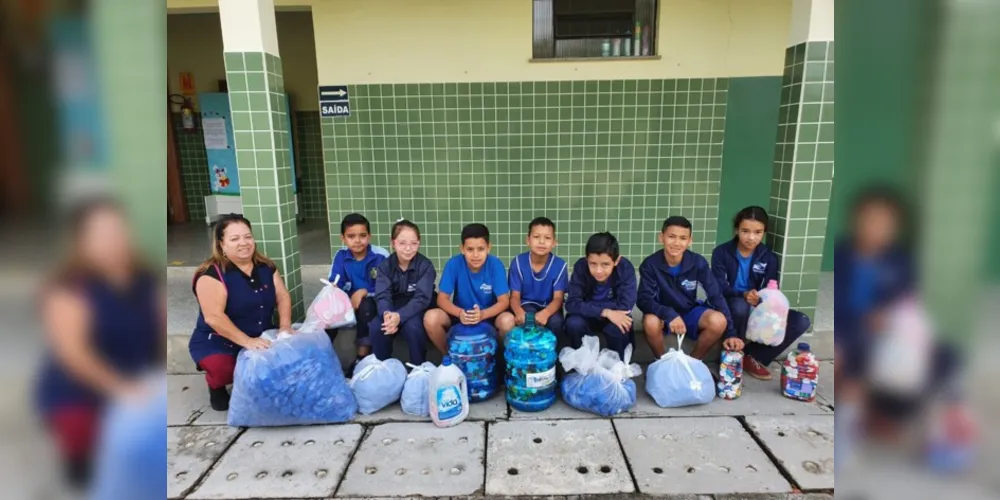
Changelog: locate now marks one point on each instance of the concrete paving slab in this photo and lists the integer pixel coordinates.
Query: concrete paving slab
(288, 462)
(824, 387)
(555, 458)
(191, 451)
(178, 358)
(696, 456)
(803, 445)
(403, 459)
(187, 402)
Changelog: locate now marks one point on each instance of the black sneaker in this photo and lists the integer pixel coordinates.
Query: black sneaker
(349, 370)
(219, 398)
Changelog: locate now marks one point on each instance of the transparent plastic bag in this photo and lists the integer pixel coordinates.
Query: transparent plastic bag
(377, 384)
(297, 381)
(414, 399)
(598, 381)
(768, 320)
(677, 379)
(330, 309)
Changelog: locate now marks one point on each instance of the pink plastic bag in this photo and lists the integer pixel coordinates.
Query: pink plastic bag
(330, 309)
(768, 320)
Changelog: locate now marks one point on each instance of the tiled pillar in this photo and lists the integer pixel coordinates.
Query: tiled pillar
(803, 158)
(257, 101)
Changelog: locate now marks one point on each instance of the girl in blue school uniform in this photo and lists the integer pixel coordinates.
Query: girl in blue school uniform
(743, 266)
(404, 289)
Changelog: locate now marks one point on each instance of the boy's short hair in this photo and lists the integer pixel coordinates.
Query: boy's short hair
(676, 220)
(605, 243)
(541, 221)
(476, 230)
(354, 220)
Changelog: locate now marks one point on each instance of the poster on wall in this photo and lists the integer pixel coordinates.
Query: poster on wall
(217, 128)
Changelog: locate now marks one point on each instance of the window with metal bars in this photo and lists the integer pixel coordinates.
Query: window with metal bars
(594, 28)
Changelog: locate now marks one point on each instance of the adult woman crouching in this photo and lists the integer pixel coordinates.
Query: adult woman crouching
(238, 290)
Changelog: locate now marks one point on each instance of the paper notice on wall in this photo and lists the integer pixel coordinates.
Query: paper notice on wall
(215, 133)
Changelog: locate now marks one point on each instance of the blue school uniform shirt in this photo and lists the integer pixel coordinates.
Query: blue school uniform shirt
(351, 274)
(537, 288)
(742, 283)
(467, 288)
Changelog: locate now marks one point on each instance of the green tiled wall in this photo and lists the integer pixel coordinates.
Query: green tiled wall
(309, 161)
(308, 137)
(257, 102)
(591, 155)
(194, 167)
(803, 169)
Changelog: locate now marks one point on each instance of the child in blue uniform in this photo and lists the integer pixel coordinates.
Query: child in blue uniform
(742, 267)
(602, 292)
(538, 281)
(354, 270)
(668, 295)
(473, 288)
(404, 289)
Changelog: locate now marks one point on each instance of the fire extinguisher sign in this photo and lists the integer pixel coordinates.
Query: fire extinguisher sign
(334, 101)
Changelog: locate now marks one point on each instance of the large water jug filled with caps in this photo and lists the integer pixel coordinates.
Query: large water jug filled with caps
(531, 366)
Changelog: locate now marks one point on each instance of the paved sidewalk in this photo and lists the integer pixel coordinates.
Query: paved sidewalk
(761, 445)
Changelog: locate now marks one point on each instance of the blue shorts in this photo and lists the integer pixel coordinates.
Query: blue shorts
(691, 319)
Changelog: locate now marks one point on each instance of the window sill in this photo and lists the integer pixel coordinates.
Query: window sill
(593, 59)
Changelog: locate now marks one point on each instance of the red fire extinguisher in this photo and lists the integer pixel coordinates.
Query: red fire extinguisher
(186, 110)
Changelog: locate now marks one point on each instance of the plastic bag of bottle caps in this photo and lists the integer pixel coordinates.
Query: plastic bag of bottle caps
(415, 398)
(331, 308)
(598, 381)
(473, 349)
(377, 384)
(297, 381)
(531, 366)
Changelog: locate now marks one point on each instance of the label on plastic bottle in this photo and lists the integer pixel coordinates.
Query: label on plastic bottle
(449, 402)
(542, 379)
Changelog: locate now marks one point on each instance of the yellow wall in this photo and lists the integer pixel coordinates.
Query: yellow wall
(391, 41)
(194, 43)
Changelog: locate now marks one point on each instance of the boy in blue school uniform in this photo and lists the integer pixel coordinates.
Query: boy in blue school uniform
(354, 271)
(473, 288)
(668, 295)
(538, 280)
(602, 294)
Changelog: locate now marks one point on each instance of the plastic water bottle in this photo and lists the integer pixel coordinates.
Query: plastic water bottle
(768, 320)
(799, 374)
(730, 384)
(473, 349)
(448, 395)
(531, 366)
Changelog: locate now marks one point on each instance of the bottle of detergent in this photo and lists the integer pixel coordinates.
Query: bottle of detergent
(473, 349)
(799, 374)
(768, 320)
(531, 366)
(448, 395)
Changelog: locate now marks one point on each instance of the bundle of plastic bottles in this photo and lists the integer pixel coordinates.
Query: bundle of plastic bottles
(768, 320)
(377, 384)
(296, 381)
(598, 381)
(677, 379)
(330, 309)
(473, 349)
(414, 399)
(531, 366)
